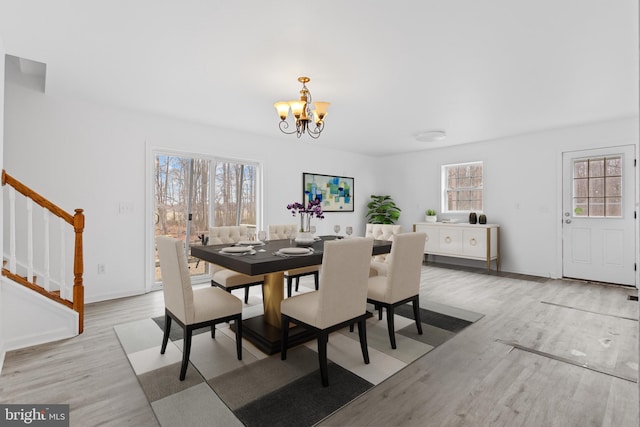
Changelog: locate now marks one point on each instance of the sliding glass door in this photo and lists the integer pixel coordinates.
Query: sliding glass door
(193, 193)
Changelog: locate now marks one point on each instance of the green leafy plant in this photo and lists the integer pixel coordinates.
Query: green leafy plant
(431, 212)
(382, 210)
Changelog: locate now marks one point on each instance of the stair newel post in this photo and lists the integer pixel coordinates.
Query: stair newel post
(78, 268)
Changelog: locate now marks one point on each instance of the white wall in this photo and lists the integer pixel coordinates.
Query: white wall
(24, 316)
(83, 155)
(2, 54)
(94, 157)
(522, 186)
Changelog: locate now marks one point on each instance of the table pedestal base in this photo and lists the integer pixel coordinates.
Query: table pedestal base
(267, 337)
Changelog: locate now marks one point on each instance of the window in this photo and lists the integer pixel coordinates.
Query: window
(194, 193)
(597, 187)
(462, 187)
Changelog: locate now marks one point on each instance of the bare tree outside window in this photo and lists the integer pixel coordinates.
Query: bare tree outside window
(235, 194)
(191, 191)
(463, 187)
(597, 187)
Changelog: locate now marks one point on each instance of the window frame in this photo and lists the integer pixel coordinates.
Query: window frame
(152, 152)
(445, 190)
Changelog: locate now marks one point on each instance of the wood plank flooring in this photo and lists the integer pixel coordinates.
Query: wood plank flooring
(473, 380)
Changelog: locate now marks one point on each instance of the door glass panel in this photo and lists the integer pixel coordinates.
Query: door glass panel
(182, 204)
(235, 194)
(614, 207)
(580, 169)
(597, 187)
(184, 188)
(581, 187)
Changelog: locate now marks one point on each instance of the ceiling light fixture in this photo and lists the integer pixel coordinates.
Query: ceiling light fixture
(431, 136)
(302, 112)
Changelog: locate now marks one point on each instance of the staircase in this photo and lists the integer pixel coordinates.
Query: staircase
(41, 242)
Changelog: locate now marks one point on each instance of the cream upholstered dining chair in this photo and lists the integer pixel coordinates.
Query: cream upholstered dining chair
(223, 277)
(282, 231)
(341, 300)
(401, 284)
(379, 263)
(192, 309)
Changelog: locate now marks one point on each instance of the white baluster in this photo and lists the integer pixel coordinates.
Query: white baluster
(45, 246)
(12, 230)
(30, 240)
(64, 292)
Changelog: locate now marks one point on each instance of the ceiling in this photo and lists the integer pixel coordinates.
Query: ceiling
(477, 69)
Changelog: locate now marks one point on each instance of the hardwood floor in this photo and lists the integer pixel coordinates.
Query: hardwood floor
(476, 379)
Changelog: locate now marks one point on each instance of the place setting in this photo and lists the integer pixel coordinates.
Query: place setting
(238, 250)
(294, 251)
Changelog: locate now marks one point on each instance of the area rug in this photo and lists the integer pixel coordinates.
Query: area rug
(262, 390)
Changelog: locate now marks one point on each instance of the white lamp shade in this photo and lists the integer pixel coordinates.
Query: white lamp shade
(283, 109)
(297, 108)
(321, 109)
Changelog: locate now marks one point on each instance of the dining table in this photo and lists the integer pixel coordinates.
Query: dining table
(270, 258)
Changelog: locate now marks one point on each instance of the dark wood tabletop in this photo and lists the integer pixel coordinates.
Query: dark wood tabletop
(266, 262)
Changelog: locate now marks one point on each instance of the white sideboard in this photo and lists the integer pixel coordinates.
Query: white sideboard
(461, 240)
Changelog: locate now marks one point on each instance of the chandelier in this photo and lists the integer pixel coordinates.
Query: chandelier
(303, 113)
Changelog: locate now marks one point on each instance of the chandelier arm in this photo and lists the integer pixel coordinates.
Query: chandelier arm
(283, 125)
(317, 130)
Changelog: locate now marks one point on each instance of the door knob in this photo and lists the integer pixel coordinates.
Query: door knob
(568, 220)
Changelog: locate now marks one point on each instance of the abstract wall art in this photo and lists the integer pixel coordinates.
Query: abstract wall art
(334, 192)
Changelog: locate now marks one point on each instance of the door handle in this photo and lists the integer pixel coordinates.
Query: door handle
(568, 220)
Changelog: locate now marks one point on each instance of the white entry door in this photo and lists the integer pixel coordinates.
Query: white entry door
(598, 223)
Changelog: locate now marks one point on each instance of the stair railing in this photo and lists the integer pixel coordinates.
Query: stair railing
(74, 299)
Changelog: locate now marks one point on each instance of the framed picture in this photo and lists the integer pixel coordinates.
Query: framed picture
(334, 192)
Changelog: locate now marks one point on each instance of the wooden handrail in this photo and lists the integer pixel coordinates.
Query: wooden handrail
(27, 192)
(77, 221)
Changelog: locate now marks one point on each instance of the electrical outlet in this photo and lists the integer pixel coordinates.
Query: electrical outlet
(102, 269)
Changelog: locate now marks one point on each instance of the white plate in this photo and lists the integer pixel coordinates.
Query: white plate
(236, 249)
(250, 243)
(295, 251)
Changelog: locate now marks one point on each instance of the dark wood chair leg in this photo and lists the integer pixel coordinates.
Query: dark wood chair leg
(213, 330)
(391, 327)
(238, 322)
(316, 279)
(416, 314)
(167, 329)
(185, 352)
(284, 336)
(362, 333)
(351, 327)
(297, 283)
(246, 294)
(322, 357)
(289, 285)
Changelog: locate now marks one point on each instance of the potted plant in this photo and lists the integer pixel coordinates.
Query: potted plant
(431, 216)
(382, 210)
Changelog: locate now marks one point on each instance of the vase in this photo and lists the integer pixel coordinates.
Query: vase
(431, 218)
(305, 223)
(482, 219)
(304, 238)
(473, 218)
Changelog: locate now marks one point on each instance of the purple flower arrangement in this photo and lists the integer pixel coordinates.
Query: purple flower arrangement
(313, 209)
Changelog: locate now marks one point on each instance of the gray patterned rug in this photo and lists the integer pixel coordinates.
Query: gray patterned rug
(262, 390)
